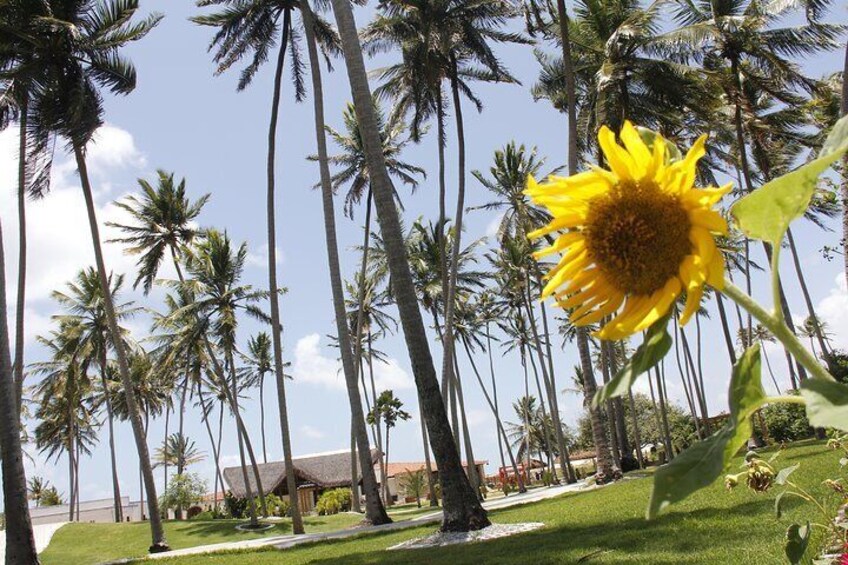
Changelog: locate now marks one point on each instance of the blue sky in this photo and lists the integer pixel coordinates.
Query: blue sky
(183, 119)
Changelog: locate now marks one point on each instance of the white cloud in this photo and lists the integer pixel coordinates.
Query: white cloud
(311, 432)
(313, 367)
(58, 234)
(832, 310)
(259, 258)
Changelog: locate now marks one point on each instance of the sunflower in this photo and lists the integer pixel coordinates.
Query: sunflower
(633, 238)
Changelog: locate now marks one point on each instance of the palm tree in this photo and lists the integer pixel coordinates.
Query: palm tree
(462, 509)
(453, 37)
(245, 28)
(374, 511)
(257, 366)
(389, 409)
(178, 451)
(739, 43)
(81, 53)
(84, 306)
(215, 268)
(37, 487)
(66, 403)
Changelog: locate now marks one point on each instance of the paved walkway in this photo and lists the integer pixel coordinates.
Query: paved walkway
(284, 542)
(43, 534)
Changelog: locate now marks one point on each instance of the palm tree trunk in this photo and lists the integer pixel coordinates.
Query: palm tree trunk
(140, 473)
(605, 470)
(378, 429)
(374, 510)
(696, 386)
(453, 264)
(158, 534)
(220, 438)
(462, 509)
(262, 417)
(72, 495)
(251, 501)
(276, 327)
(116, 487)
(215, 448)
(526, 416)
(664, 415)
(546, 433)
(443, 255)
(553, 398)
(725, 328)
(807, 300)
(20, 543)
(355, 504)
(18, 363)
(470, 462)
(637, 435)
(431, 484)
(686, 388)
(844, 111)
(165, 444)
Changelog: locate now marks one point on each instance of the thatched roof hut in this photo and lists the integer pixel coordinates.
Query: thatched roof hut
(321, 470)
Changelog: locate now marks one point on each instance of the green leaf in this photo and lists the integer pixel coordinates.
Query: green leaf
(827, 403)
(797, 540)
(783, 474)
(656, 345)
(767, 212)
(777, 510)
(700, 465)
(694, 469)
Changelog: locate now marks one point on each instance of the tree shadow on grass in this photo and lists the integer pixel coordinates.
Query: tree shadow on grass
(228, 528)
(668, 540)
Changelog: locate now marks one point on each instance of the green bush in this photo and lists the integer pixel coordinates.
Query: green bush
(786, 422)
(333, 502)
(237, 507)
(276, 506)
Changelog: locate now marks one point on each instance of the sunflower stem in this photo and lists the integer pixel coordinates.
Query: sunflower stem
(775, 284)
(787, 398)
(778, 329)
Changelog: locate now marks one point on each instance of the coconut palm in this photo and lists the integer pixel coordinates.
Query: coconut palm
(253, 29)
(374, 511)
(66, 399)
(214, 269)
(178, 451)
(84, 308)
(388, 409)
(257, 364)
(462, 509)
(37, 487)
(80, 54)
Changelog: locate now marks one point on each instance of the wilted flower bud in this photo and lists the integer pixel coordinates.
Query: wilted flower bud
(730, 481)
(760, 475)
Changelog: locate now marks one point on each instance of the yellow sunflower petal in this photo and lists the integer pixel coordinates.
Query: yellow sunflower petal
(715, 271)
(709, 219)
(559, 223)
(705, 197)
(634, 308)
(641, 155)
(693, 303)
(619, 160)
(605, 310)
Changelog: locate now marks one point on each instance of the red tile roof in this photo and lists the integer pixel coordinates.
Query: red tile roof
(395, 469)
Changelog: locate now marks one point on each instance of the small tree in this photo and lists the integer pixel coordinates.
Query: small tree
(413, 483)
(51, 497)
(388, 409)
(183, 491)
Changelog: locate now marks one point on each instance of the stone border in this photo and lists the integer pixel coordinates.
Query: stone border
(495, 531)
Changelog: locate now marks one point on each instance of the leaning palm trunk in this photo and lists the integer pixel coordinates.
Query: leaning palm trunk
(18, 363)
(844, 111)
(291, 482)
(817, 330)
(251, 501)
(431, 483)
(604, 466)
(470, 462)
(545, 429)
(116, 487)
(462, 509)
(20, 543)
(215, 447)
(158, 534)
(453, 263)
(502, 437)
(355, 504)
(375, 513)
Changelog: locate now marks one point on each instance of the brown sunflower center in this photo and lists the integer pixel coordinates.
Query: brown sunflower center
(637, 236)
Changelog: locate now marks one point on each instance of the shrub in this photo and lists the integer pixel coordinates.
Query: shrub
(333, 501)
(235, 506)
(183, 491)
(277, 506)
(786, 422)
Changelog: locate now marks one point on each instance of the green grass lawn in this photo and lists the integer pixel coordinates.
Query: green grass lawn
(90, 544)
(714, 526)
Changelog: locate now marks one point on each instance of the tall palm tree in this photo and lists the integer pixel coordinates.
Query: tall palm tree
(84, 308)
(20, 542)
(215, 268)
(257, 365)
(741, 44)
(179, 451)
(81, 53)
(253, 29)
(462, 509)
(388, 409)
(374, 510)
